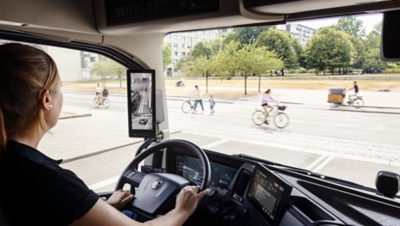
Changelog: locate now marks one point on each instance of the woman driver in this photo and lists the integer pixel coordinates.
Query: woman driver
(34, 189)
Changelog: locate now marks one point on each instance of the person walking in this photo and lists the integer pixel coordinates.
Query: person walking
(197, 96)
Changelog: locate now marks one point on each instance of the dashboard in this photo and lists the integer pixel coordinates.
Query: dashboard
(190, 168)
(250, 191)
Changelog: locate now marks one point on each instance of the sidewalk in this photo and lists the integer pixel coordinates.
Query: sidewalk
(85, 131)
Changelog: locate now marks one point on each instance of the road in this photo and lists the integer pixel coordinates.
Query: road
(346, 144)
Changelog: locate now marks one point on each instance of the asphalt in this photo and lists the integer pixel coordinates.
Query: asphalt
(64, 141)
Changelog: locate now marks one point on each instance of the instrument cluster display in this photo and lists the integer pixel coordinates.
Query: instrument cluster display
(191, 169)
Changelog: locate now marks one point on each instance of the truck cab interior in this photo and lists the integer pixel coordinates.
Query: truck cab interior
(244, 190)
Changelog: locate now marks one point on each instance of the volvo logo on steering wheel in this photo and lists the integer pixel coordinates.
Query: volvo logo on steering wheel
(157, 184)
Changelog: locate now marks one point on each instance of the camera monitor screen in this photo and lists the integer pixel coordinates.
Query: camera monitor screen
(141, 103)
(268, 193)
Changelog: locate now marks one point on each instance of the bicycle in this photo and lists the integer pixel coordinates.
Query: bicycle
(98, 102)
(278, 116)
(356, 101)
(187, 106)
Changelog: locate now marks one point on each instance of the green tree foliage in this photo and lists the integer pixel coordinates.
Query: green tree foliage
(280, 43)
(351, 25)
(166, 51)
(107, 68)
(245, 35)
(373, 43)
(234, 59)
(301, 58)
(206, 48)
(329, 48)
(201, 49)
(360, 52)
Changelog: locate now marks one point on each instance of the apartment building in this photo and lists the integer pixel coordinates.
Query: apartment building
(181, 43)
(301, 32)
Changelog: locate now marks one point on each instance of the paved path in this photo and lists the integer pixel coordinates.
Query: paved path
(317, 138)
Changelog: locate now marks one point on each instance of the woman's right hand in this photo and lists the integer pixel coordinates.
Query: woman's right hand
(188, 198)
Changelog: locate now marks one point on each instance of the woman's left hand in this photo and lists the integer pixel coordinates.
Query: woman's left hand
(120, 198)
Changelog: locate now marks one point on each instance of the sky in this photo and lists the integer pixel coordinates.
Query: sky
(369, 21)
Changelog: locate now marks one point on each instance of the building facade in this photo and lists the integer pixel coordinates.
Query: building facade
(298, 31)
(181, 43)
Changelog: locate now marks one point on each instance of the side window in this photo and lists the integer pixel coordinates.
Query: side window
(93, 122)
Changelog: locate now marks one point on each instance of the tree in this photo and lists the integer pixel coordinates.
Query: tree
(106, 68)
(226, 61)
(355, 28)
(200, 49)
(245, 60)
(234, 59)
(261, 62)
(245, 35)
(372, 43)
(206, 48)
(301, 59)
(351, 25)
(280, 43)
(329, 48)
(166, 51)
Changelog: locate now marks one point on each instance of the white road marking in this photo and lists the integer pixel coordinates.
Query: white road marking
(323, 164)
(213, 144)
(328, 146)
(316, 162)
(104, 183)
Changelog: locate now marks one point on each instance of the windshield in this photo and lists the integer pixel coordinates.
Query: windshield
(340, 102)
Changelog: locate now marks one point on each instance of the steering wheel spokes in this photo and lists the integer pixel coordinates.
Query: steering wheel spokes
(131, 177)
(156, 192)
(163, 187)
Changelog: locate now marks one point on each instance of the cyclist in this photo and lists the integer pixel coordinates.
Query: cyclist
(266, 100)
(353, 96)
(99, 93)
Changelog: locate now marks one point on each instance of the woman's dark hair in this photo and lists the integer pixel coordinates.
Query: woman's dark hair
(267, 91)
(25, 74)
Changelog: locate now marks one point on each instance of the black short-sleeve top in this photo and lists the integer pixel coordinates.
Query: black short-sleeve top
(35, 190)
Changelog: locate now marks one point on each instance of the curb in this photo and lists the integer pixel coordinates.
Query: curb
(104, 150)
(76, 116)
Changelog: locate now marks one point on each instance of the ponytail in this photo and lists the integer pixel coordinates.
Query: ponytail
(25, 72)
(3, 134)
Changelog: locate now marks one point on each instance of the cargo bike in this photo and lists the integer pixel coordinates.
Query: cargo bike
(337, 96)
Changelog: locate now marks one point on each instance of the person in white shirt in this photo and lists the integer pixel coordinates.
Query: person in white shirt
(197, 96)
(99, 92)
(266, 100)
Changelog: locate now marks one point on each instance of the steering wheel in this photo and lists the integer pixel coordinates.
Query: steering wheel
(156, 192)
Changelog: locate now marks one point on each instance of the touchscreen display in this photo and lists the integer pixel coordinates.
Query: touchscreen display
(141, 103)
(190, 168)
(268, 193)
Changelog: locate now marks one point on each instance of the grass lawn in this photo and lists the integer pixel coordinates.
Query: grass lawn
(233, 89)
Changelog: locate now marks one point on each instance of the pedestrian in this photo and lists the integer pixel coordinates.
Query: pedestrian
(212, 103)
(198, 98)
